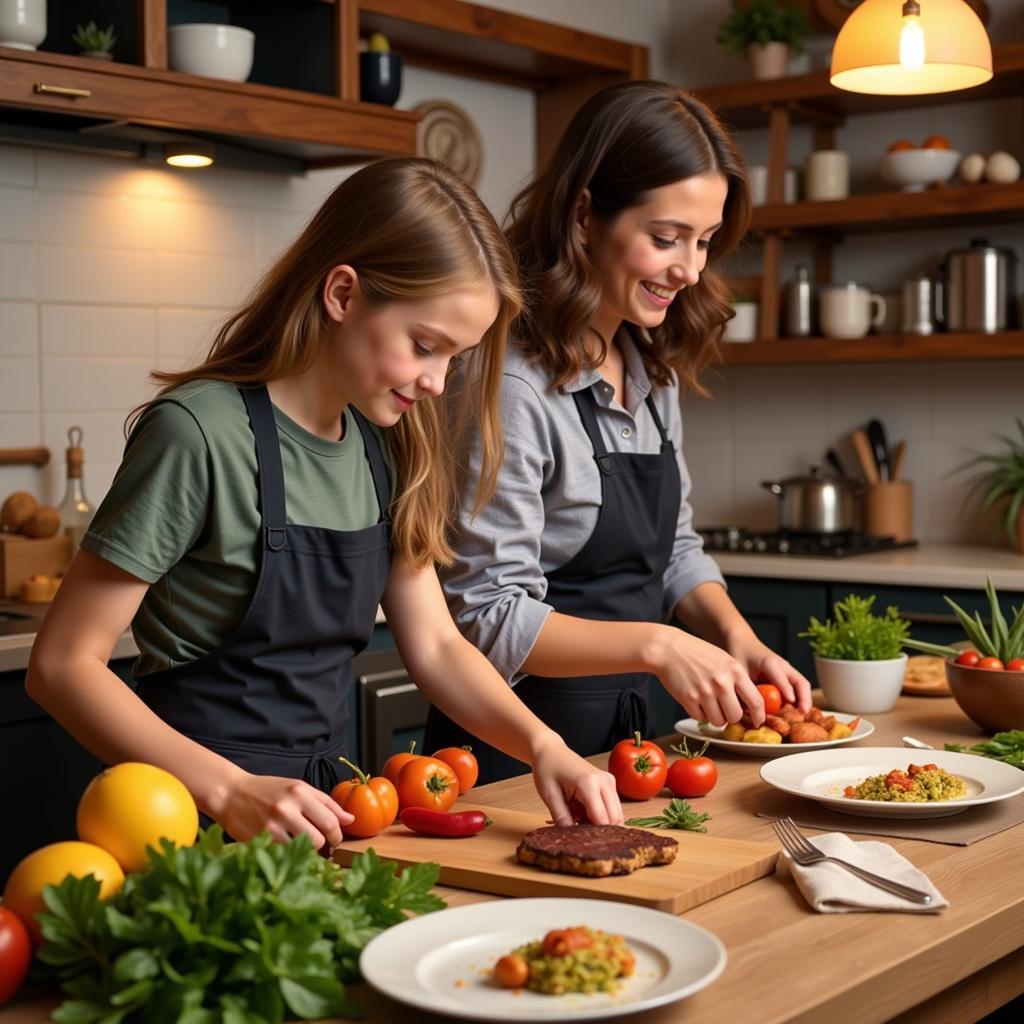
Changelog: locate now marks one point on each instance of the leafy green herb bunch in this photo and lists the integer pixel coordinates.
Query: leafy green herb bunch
(224, 933)
(855, 634)
(763, 21)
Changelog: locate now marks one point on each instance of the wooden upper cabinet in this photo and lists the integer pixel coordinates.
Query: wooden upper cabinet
(301, 101)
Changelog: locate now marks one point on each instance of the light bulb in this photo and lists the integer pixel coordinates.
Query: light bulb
(912, 38)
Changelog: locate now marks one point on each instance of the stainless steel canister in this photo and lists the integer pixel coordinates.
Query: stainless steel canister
(799, 306)
(982, 288)
(918, 305)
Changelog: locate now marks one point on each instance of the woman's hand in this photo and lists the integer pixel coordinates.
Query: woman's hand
(711, 684)
(764, 665)
(561, 775)
(284, 807)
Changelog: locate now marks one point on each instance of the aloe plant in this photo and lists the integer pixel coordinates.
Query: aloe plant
(1002, 639)
(93, 39)
(1000, 476)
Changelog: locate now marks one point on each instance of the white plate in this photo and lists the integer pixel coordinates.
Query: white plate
(690, 728)
(822, 776)
(442, 961)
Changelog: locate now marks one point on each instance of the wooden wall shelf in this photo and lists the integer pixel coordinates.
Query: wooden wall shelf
(876, 348)
(811, 98)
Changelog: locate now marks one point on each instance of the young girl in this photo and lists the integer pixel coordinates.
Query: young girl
(259, 517)
(566, 578)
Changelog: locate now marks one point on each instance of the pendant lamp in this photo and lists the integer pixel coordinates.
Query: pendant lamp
(907, 47)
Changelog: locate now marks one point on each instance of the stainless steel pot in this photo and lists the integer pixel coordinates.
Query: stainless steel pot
(982, 288)
(817, 503)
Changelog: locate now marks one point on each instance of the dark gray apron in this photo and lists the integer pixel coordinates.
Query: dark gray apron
(616, 576)
(274, 697)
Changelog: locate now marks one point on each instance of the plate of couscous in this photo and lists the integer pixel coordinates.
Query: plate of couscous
(893, 782)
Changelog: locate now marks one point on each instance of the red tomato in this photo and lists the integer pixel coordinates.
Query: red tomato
(693, 774)
(772, 697)
(639, 767)
(15, 953)
(990, 662)
(372, 802)
(968, 658)
(1015, 665)
(427, 782)
(462, 761)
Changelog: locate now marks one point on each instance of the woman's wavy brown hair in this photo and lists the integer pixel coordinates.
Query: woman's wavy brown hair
(623, 142)
(411, 229)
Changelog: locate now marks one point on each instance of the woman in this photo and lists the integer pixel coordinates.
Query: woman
(258, 518)
(566, 577)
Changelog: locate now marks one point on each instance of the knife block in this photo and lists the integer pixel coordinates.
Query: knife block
(889, 509)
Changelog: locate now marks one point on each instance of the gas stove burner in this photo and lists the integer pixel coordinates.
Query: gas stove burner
(828, 545)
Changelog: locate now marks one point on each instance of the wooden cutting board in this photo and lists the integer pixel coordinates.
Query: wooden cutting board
(705, 866)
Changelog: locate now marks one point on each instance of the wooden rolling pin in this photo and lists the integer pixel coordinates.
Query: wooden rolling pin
(24, 456)
(865, 456)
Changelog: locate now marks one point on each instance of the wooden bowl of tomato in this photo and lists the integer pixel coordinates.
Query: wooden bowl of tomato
(989, 693)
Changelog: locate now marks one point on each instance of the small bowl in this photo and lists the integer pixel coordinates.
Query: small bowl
(214, 51)
(990, 698)
(912, 170)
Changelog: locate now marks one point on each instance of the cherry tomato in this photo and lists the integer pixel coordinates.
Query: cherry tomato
(1015, 665)
(427, 782)
(15, 953)
(396, 762)
(373, 802)
(693, 774)
(462, 761)
(990, 662)
(968, 658)
(639, 767)
(446, 824)
(772, 697)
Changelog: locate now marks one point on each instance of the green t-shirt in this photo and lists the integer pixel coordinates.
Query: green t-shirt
(183, 512)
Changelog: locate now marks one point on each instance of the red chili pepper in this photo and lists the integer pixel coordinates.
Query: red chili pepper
(447, 824)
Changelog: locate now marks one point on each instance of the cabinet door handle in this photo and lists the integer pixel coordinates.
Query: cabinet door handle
(62, 90)
(930, 618)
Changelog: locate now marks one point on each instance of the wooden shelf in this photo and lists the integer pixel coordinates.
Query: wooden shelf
(876, 348)
(889, 211)
(812, 98)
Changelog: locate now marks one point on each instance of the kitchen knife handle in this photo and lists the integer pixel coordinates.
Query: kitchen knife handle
(865, 457)
(879, 445)
(896, 468)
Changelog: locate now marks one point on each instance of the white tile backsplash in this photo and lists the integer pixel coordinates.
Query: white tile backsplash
(98, 331)
(184, 335)
(80, 274)
(100, 221)
(205, 228)
(19, 384)
(92, 384)
(19, 329)
(192, 280)
(17, 166)
(17, 214)
(18, 270)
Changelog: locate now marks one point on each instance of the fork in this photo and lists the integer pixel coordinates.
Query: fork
(803, 852)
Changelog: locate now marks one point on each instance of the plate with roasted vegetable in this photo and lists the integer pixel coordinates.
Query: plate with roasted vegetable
(545, 959)
(788, 731)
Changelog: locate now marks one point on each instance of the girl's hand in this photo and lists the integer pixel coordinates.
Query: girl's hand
(561, 775)
(712, 685)
(284, 807)
(764, 665)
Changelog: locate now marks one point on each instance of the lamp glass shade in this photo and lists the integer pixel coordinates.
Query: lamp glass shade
(866, 56)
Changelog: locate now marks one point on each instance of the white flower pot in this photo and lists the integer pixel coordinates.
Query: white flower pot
(22, 23)
(860, 687)
(768, 60)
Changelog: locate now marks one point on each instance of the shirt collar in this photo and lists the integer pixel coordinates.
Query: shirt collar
(638, 384)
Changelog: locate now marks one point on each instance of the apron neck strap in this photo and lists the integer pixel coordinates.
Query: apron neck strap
(586, 404)
(268, 462)
(381, 480)
(657, 419)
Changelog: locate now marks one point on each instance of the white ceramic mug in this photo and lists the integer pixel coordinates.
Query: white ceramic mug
(848, 310)
(743, 326)
(757, 175)
(827, 175)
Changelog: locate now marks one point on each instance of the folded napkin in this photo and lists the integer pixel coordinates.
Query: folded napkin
(834, 890)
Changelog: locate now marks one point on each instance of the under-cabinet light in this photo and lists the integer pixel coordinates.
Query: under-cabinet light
(188, 154)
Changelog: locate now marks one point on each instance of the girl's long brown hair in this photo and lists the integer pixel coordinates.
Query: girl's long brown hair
(623, 142)
(411, 229)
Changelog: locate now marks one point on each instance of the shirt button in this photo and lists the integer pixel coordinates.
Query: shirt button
(627, 432)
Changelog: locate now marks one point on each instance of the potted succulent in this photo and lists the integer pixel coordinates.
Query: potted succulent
(1000, 477)
(858, 656)
(766, 31)
(987, 676)
(94, 41)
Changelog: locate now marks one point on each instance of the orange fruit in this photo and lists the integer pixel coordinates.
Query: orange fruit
(895, 147)
(936, 142)
(50, 865)
(132, 806)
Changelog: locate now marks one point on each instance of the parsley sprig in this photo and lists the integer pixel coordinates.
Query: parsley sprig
(224, 933)
(677, 814)
(1007, 747)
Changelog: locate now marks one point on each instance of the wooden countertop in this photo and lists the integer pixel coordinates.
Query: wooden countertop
(790, 964)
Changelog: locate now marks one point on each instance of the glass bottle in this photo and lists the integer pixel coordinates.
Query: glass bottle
(75, 511)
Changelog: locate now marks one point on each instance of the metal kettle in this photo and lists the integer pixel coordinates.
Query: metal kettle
(817, 503)
(982, 288)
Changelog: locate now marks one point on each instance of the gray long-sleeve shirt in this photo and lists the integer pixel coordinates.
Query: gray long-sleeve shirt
(547, 503)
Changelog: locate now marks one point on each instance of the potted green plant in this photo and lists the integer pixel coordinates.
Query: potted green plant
(94, 41)
(858, 656)
(766, 31)
(999, 477)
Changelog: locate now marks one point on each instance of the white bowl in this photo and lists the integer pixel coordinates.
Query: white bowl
(214, 51)
(860, 687)
(911, 170)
